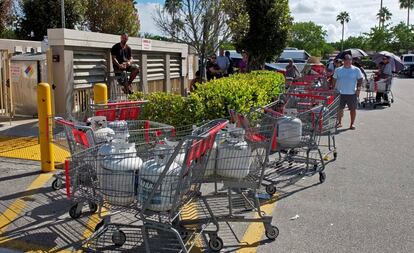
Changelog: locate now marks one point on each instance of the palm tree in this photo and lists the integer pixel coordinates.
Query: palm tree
(343, 18)
(379, 22)
(383, 15)
(407, 4)
(173, 7)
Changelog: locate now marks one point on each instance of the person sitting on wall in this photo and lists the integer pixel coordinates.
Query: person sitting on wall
(122, 61)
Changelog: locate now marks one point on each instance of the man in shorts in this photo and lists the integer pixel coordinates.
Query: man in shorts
(122, 61)
(348, 81)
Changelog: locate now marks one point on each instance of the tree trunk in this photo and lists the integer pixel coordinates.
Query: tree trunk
(255, 63)
(379, 24)
(342, 40)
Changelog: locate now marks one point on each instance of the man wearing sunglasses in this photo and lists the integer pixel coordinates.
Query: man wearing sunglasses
(348, 81)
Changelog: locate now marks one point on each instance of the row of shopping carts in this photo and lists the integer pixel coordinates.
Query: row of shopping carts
(171, 185)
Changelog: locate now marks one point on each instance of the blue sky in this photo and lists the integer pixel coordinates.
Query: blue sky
(322, 12)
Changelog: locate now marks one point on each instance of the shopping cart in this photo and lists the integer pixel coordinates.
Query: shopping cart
(126, 110)
(384, 86)
(369, 88)
(72, 138)
(237, 163)
(296, 143)
(152, 183)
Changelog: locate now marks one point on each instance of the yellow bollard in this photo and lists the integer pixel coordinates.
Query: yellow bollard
(44, 108)
(100, 93)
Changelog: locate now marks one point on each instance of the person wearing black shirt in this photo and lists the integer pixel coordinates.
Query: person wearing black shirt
(230, 70)
(122, 61)
(213, 69)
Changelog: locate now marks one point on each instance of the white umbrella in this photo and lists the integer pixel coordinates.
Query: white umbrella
(396, 63)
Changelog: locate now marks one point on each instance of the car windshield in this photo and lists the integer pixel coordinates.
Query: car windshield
(294, 60)
(408, 59)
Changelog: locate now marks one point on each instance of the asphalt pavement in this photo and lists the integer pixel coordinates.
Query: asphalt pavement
(367, 201)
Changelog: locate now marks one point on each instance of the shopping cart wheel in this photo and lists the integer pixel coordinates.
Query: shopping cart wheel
(118, 238)
(93, 207)
(270, 189)
(335, 154)
(57, 184)
(216, 244)
(322, 177)
(272, 232)
(392, 100)
(73, 212)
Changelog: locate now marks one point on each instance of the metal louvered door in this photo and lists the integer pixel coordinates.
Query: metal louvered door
(155, 72)
(5, 81)
(175, 73)
(89, 67)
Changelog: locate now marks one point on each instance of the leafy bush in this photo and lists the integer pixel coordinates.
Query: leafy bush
(239, 92)
(213, 99)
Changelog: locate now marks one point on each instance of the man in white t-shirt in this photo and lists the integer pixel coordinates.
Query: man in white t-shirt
(223, 62)
(348, 81)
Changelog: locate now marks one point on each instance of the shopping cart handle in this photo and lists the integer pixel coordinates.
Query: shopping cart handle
(62, 121)
(306, 95)
(128, 103)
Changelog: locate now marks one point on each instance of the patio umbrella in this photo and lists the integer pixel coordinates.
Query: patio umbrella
(396, 63)
(354, 52)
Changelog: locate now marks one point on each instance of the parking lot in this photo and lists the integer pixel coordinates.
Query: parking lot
(365, 204)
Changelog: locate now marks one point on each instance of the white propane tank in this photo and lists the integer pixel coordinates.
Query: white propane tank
(120, 128)
(103, 135)
(100, 129)
(234, 159)
(211, 164)
(164, 196)
(117, 169)
(289, 132)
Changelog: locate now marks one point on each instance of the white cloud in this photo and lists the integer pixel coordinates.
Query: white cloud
(362, 12)
(303, 8)
(146, 13)
(323, 12)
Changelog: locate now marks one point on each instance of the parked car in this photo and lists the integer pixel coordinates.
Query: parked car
(299, 57)
(408, 60)
(236, 58)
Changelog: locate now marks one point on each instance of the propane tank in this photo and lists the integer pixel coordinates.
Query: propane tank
(117, 169)
(234, 159)
(289, 132)
(163, 198)
(120, 128)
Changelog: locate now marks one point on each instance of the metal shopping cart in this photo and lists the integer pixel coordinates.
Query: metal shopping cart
(237, 163)
(296, 143)
(72, 138)
(384, 86)
(153, 183)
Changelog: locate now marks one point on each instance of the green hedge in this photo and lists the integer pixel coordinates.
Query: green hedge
(213, 99)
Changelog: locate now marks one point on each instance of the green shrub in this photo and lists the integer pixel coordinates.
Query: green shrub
(239, 92)
(213, 99)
